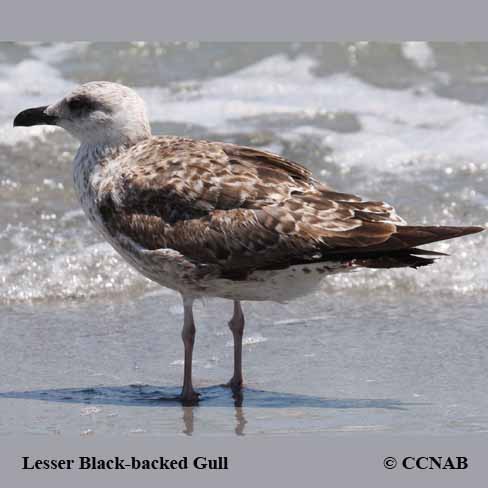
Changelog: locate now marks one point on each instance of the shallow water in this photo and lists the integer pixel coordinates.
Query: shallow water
(88, 346)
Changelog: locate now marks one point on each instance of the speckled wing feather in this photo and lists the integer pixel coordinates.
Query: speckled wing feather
(239, 208)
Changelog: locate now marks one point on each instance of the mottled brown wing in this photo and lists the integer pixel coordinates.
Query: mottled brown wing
(182, 178)
(265, 161)
(236, 207)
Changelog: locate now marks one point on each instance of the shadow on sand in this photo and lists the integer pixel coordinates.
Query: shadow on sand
(212, 396)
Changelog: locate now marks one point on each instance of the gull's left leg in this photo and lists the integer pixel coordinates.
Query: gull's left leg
(236, 325)
(188, 395)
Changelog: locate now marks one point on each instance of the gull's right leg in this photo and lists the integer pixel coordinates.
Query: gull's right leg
(236, 325)
(188, 394)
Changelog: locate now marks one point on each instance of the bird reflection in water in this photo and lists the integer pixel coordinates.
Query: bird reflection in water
(240, 419)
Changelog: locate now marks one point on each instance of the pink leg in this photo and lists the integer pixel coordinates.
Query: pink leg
(236, 325)
(188, 394)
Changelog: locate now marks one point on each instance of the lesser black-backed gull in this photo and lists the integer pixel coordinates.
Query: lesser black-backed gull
(216, 219)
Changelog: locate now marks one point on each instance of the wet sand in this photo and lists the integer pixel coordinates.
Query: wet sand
(333, 364)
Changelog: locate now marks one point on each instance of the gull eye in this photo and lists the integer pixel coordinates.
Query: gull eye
(79, 103)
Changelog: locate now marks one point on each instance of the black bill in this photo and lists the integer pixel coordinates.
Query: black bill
(34, 116)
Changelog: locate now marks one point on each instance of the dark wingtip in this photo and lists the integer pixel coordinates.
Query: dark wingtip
(413, 236)
(472, 230)
(453, 232)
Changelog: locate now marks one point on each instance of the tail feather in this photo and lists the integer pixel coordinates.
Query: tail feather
(425, 252)
(401, 250)
(395, 261)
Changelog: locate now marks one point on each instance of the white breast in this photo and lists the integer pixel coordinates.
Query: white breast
(86, 178)
(93, 175)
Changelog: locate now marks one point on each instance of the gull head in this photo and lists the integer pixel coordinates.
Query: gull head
(99, 112)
